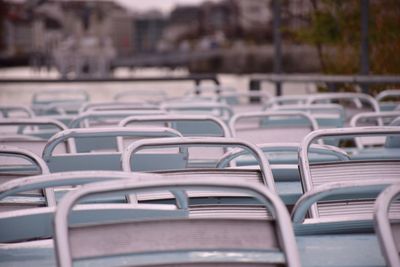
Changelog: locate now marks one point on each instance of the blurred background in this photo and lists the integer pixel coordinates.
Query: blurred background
(94, 38)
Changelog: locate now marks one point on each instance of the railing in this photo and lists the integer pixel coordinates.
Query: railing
(196, 78)
(330, 80)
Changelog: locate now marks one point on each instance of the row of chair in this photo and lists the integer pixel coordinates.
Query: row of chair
(171, 189)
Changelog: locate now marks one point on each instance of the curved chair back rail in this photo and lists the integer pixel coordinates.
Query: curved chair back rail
(326, 115)
(355, 97)
(286, 100)
(107, 115)
(96, 137)
(387, 231)
(309, 120)
(187, 125)
(54, 96)
(223, 111)
(234, 99)
(25, 154)
(32, 158)
(387, 93)
(373, 115)
(109, 106)
(341, 192)
(201, 142)
(318, 174)
(6, 110)
(65, 238)
(379, 117)
(162, 95)
(35, 122)
(285, 147)
(49, 181)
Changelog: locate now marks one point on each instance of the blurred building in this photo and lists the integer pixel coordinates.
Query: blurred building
(148, 31)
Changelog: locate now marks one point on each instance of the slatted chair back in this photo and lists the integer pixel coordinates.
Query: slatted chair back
(148, 241)
(355, 218)
(272, 126)
(375, 164)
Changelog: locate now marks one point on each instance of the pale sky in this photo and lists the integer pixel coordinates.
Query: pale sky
(163, 5)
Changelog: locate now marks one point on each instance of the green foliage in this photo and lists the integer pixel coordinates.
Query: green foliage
(334, 29)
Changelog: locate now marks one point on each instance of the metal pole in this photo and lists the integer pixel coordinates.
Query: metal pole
(277, 43)
(364, 56)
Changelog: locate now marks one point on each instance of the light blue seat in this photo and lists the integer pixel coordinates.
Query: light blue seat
(89, 151)
(145, 241)
(343, 227)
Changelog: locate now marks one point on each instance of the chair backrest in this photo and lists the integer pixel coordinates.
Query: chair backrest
(92, 119)
(273, 102)
(388, 99)
(131, 161)
(149, 239)
(387, 228)
(91, 147)
(15, 111)
(354, 216)
(43, 128)
(110, 106)
(361, 167)
(326, 115)
(17, 163)
(245, 101)
(187, 125)
(360, 102)
(150, 96)
(222, 111)
(14, 163)
(283, 158)
(27, 219)
(373, 119)
(272, 126)
(60, 95)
